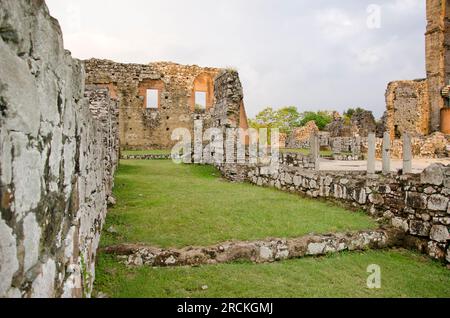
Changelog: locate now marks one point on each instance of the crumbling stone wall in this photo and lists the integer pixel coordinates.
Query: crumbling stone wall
(408, 108)
(55, 170)
(361, 124)
(417, 204)
(365, 123)
(427, 147)
(437, 38)
(415, 106)
(142, 128)
(261, 251)
(302, 135)
(228, 112)
(106, 111)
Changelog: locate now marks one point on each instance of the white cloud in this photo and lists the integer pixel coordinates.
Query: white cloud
(288, 52)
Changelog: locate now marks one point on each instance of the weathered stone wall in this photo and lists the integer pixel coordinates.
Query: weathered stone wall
(416, 204)
(151, 128)
(55, 170)
(415, 106)
(302, 135)
(262, 251)
(429, 147)
(228, 113)
(106, 111)
(298, 160)
(354, 148)
(361, 124)
(437, 40)
(408, 108)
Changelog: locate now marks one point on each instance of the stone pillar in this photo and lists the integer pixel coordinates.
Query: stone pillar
(437, 56)
(407, 154)
(386, 153)
(315, 150)
(371, 156)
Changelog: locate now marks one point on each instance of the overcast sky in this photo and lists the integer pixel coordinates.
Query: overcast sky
(313, 54)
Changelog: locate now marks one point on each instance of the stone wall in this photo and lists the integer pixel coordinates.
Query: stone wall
(354, 148)
(415, 106)
(262, 251)
(427, 147)
(106, 111)
(437, 38)
(408, 108)
(151, 128)
(56, 160)
(302, 135)
(415, 204)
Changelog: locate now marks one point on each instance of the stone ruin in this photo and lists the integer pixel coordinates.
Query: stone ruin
(58, 154)
(62, 125)
(149, 126)
(418, 107)
(59, 149)
(300, 137)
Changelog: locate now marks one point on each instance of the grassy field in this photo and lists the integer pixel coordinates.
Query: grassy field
(168, 205)
(403, 274)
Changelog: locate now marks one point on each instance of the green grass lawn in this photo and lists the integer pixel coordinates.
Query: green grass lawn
(168, 205)
(403, 274)
(146, 152)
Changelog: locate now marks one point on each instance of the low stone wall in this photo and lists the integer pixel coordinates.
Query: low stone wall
(416, 204)
(146, 157)
(291, 159)
(57, 159)
(257, 252)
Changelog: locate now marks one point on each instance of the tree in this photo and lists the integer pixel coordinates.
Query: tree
(321, 118)
(285, 119)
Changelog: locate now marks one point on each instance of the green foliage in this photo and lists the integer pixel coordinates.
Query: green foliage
(285, 119)
(199, 108)
(321, 118)
(404, 274)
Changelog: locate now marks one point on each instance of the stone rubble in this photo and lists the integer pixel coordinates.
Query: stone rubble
(263, 251)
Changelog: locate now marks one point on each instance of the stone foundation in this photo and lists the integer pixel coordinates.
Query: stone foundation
(263, 251)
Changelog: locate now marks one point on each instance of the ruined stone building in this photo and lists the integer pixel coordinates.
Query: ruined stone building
(418, 106)
(59, 144)
(156, 98)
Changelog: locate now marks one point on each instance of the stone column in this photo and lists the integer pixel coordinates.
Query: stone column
(371, 156)
(437, 56)
(387, 153)
(407, 154)
(315, 150)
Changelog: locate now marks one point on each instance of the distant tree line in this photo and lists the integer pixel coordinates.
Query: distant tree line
(286, 119)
